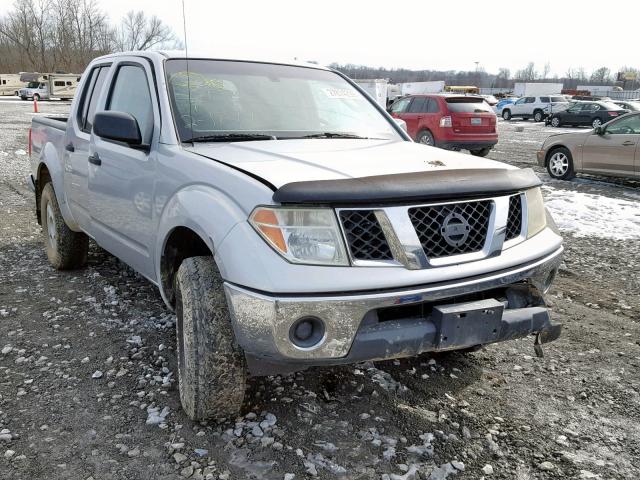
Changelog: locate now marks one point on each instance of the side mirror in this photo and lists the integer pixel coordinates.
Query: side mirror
(401, 123)
(118, 126)
(598, 131)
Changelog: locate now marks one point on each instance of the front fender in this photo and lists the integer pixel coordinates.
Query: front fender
(208, 212)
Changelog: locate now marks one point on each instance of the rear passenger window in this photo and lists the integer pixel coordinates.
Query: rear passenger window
(432, 106)
(544, 99)
(93, 102)
(130, 93)
(418, 105)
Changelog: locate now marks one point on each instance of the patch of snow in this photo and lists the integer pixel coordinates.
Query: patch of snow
(588, 215)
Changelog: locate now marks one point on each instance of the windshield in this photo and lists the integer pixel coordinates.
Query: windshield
(243, 99)
(33, 84)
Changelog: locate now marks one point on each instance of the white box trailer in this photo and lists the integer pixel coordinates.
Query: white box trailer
(10, 83)
(599, 89)
(419, 88)
(530, 89)
(376, 88)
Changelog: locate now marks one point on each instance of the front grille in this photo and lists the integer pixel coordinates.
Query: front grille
(514, 218)
(364, 235)
(471, 218)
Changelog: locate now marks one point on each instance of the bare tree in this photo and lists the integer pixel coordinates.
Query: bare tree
(546, 70)
(528, 73)
(139, 32)
(601, 76)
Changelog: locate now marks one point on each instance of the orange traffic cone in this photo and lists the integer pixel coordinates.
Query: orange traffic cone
(35, 104)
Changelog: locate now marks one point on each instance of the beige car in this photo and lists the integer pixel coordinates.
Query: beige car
(611, 149)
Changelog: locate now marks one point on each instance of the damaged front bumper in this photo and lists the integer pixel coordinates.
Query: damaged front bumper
(398, 323)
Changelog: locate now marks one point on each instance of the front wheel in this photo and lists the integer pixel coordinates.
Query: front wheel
(426, 138)
(506, 114)
(65, 248)
(555, 122)
(482, 152)
(596, 123)
(211, 366)
(560, 164)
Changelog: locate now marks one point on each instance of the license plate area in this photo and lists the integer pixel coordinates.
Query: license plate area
(476, 121)
(467, 324)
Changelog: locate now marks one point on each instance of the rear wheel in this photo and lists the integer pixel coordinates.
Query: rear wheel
(555, 122)
(538, 116)
(36, 97)
(506, 114)
(482, 152)
(596, 123)
(426, 138)
(211, 366)
(65, 248)
(560, 164)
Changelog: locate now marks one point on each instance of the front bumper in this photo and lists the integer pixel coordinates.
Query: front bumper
(355, 329)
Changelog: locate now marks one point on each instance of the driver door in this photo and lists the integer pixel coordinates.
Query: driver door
(613, 151)
(518, 107)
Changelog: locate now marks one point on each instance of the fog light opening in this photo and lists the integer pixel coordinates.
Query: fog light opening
(306, 332)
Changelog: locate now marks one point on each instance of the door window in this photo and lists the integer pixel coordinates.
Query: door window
(544, 99)
(625, 126)
(130, 93)
(521, 101)
(418, 105)
(575, 108)
(432, 106)
(530, 100)
(93, 100)
(400, 106)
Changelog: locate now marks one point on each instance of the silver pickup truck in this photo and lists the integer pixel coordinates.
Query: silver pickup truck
(288, 219)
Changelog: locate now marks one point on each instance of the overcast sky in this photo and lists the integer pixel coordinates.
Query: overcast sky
(442, 35)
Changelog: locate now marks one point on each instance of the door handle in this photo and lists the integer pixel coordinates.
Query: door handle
(628, 143)
(95, 159)
(69, 147)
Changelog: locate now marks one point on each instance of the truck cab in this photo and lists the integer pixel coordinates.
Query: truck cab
(287, 219)
(37, 90)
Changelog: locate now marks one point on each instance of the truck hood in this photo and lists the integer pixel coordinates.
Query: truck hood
(280, 162)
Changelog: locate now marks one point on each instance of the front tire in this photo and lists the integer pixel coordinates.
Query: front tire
(560, 164)
(426, 138)
(211, 366)
(65, 248)
(506, 114)
(555, 122)
(482, 152)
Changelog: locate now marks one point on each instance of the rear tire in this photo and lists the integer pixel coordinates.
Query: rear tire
(36, 97)
(482, 152)
(597, 122)
(506, 114)
(65, 248)
(425, 137)
(560, 164)
(211, 366)
(538, 116)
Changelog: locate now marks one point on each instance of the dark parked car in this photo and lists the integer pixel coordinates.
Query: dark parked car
(453, 122)
(593, 114)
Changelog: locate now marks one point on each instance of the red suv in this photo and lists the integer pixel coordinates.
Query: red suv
(453, 122)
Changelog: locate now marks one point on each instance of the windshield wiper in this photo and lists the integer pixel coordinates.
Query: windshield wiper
(334, 135)
(232, 137)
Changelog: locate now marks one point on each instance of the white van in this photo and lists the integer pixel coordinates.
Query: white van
(47, 86)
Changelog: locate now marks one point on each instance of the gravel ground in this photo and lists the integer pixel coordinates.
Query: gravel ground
(88, 387)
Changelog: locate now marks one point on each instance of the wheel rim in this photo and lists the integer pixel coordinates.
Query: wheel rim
(426, 140)
(558, 164)
(538, 117)
(596, 123)
(555, 122)
(51, 226)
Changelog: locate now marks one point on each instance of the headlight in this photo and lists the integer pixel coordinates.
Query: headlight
(301, 235)
(536, 214)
